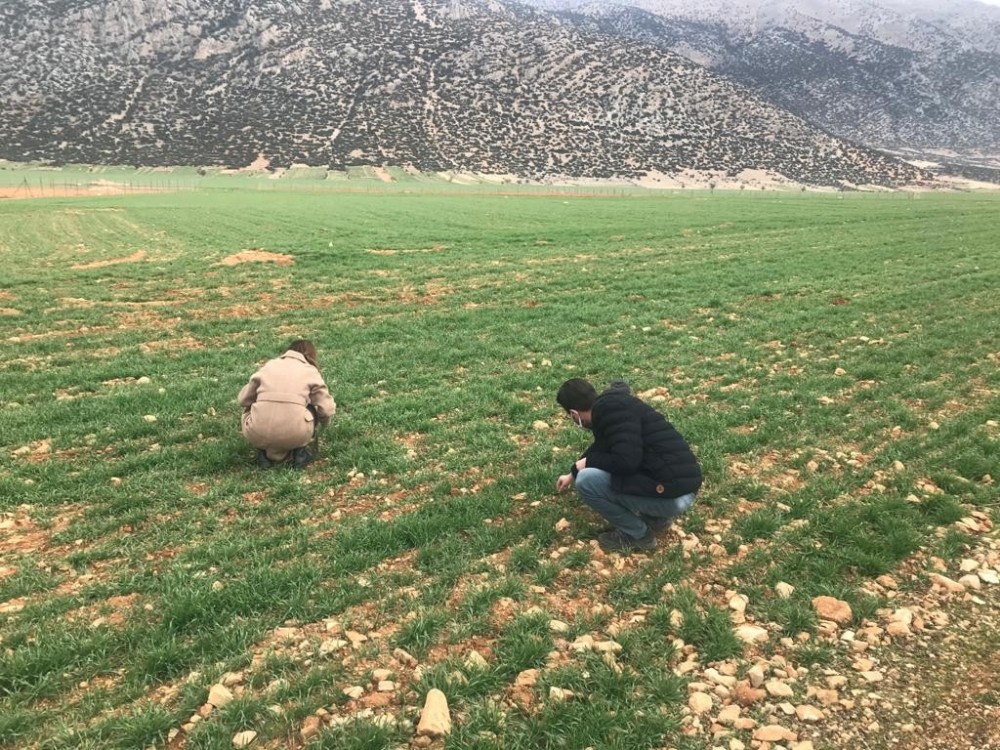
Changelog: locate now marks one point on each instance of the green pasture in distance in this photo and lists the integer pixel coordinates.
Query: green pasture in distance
(832, 358)
(80, 180)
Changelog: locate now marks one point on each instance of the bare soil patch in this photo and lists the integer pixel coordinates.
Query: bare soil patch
(256, 256)
(32, 192)
(133, 258)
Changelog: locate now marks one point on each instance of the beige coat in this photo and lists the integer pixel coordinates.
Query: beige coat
(275, 417)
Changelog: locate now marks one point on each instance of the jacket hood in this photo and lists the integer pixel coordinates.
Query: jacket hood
(618, 388)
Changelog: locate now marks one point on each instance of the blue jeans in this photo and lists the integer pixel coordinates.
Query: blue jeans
(624, 511)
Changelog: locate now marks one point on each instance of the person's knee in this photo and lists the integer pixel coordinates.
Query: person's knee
(591, 482)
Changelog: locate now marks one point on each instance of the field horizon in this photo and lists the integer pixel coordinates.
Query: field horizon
(832, 358)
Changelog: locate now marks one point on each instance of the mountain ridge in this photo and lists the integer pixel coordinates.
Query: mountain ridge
(467, 85)
(889, 74)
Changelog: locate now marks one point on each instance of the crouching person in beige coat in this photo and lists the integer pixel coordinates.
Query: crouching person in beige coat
(283, 404)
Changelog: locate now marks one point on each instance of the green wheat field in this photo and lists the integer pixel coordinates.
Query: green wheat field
(832, 358)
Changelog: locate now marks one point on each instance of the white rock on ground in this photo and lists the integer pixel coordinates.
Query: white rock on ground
(700, 703)
(475, 660)
(244, 739)
(435, 719)
(751, 633)
(219, 696)
(778, 689)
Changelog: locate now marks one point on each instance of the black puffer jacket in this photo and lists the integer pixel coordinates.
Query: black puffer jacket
(641, 450)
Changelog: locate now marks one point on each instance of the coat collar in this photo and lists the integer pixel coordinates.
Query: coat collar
(295, 355)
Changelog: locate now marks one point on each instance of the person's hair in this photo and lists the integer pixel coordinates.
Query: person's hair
(306, 348)
(576, 394)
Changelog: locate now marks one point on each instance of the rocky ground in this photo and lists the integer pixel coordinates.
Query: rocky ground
(923, 673)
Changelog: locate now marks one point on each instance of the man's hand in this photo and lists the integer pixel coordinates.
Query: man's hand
(581, 464)
(564, 482)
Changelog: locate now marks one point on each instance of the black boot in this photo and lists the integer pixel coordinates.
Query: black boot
(263, 462)
(301, 457)
(657, 524)
(619, 541)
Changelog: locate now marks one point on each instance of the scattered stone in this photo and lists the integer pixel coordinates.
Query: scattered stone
(355, 638)
(898, 629)
(756, 675)
(583, 643)
(700, 703)
(562, 524)
(990, 576)
(540, 425)
(354, 692)
(560, 694)
(903, 615)
(971, 581)
(475, 660)
(558, 626)
(310, 728)
(779, 689)
(739, 603)
(825, 696)
(612, 663)
(331, 645)
(386, 686)
(435, 719)
(809, 713)
(751, 634)
(728, 715)
(219, 696)
(713, 676)
(231, 679)
(152, 418)
(946, 583)
(784, 590)
(746, 695)
(405, 657)
(527, 678)
(608, 647)
(834, 610)
(775, 733)
(244, 739)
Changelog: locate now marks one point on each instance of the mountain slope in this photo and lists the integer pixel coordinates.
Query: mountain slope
(468, 85)
(890, 74)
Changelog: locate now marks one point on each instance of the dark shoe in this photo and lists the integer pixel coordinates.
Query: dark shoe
(301, 458)
(263, 462)
(619, 541)
(657, 524)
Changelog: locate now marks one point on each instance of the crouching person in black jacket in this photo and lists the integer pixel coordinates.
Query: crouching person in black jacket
(639, 473)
